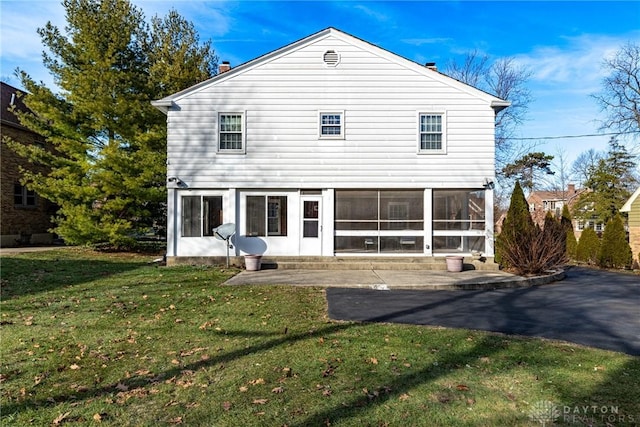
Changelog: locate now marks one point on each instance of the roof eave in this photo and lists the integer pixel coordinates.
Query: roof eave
(499, 105)
(163, 104)
(627, 206)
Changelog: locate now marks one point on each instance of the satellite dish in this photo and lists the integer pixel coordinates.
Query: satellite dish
(225, 232)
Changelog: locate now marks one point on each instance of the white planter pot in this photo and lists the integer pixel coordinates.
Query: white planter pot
(252, 262)
(454, 263)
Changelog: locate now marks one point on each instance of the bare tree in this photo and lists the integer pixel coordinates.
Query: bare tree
(507, 80)
(619, 98)
(585, 165)
(562, 176)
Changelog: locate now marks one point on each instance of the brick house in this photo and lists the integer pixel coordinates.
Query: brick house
(541, 202)
(26, 217)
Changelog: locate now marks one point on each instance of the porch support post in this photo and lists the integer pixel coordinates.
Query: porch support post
(428, 222)
(172, 221)
(489, 245)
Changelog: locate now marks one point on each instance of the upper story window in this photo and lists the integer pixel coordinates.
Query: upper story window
(332, 124)
(22, 197)
(431, 131)
(231, 132)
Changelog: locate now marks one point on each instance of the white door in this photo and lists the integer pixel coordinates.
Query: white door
(311, 225)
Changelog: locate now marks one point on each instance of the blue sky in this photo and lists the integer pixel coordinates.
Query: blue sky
(563, 43)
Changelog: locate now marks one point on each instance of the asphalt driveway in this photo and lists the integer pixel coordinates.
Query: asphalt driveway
(590, 307)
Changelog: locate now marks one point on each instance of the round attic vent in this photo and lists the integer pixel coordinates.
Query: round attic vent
(331, 58)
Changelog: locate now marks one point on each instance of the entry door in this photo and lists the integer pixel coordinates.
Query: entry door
(311, 227)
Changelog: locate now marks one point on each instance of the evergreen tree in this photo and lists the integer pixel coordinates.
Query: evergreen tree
(516, 225)
(528, 168)
(588, 246)
(610, 183)
(108, 168)
(567, 225)
(615, 251)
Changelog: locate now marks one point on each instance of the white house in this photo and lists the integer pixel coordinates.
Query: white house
(330, 146)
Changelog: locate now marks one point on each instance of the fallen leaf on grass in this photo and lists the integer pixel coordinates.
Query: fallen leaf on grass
(74, 367)
(257, 381)
(373, 360)
(404, 396)
(243, 389)
(226, 405)
(277, 390)
(260, 401)
(60, 418)
(122, 387)
(462, 387)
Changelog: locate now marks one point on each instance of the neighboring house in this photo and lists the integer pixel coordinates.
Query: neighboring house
(541, 202)
(632, 208)
(26, 217)
(330, 146)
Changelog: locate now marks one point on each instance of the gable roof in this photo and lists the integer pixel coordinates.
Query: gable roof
(627, 206)
(9, 97)
(496, 103)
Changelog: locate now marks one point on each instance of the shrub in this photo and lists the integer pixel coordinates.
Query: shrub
(523, 246)
(615, 251)
(588, 246)
(567, 224)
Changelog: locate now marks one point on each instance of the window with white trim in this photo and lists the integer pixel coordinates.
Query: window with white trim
(331, 125)
(231, 134)
(266, 216)
(431, 131)
(200, 215)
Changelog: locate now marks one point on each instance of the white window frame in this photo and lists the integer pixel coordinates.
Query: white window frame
(273, 234)
(339, 113)
(443, 132)
(243, 132)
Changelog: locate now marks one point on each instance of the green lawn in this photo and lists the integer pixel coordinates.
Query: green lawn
(108, 339)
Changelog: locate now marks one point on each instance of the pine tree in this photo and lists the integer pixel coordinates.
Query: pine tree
(108, 170)
(588, 246)
(567, 224)
(610, 184)
(516, 225)
(615, 251)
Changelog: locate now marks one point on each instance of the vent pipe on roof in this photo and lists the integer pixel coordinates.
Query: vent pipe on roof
(224, 67)
(431, 66)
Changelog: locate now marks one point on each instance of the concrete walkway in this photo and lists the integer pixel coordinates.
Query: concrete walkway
(390, 279)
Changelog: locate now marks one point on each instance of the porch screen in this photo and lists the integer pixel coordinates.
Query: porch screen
(458, 220)
(379, 221)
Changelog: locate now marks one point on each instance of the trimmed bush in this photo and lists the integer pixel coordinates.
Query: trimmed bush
(588, 247)
(615, 251)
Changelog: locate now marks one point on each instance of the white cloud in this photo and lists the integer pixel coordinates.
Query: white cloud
(381, 17)
(577, 65)
(423, 41)
(20, 39)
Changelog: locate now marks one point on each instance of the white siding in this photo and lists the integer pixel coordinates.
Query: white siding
(380, 95)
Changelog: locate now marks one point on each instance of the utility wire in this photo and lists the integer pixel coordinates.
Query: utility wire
(572, 136)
